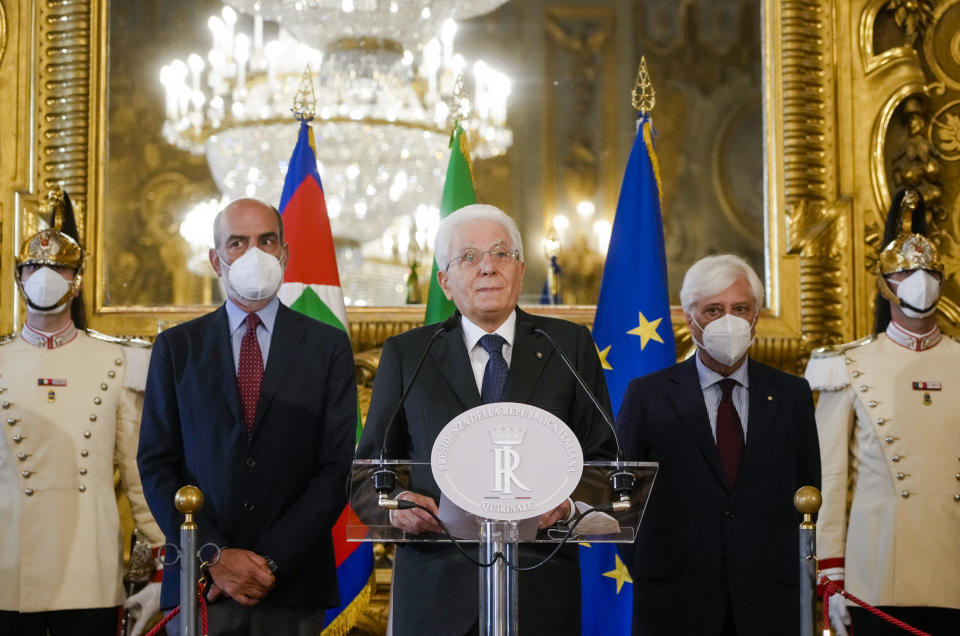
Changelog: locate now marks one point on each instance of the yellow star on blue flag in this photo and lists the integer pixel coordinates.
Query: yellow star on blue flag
(647, 330)
(603, 353)
(619, 573)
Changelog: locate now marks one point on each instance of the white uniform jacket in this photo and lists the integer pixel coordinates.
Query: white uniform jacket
(888, 419)
(69, 414)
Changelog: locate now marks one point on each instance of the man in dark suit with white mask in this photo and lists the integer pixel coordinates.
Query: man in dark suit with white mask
(717, 550)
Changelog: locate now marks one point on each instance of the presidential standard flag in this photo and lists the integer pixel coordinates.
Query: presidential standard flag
(634, 337)
(457, 193)
(311, 285)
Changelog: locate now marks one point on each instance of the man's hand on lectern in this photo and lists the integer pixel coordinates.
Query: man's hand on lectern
(560, 513)
(414, 520)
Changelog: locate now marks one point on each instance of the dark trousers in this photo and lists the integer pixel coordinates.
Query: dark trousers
(229, 618)
(937, 621)
(100, 621)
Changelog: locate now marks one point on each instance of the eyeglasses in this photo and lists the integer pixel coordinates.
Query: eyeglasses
(471, 258)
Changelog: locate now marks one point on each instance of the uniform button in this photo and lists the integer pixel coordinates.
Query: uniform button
(111, 373)
(28, 491)
(26, 474)
(956, 497)
(12, 420)
(84, 452)
(97, 400)
(93, 417)
(848, 360)
(82, 488)
(881, 422)
(957, 476)
(83, 470)
(22, 456)
(5, 404)
(251, 462)
(905, 494)
(900, 476)
(17, 438)
(729, 514)
(864, 388)
(118, 362)
(895, 458)
(87, 434)
(103, 386)
(889, 439)
(2, 389)
(248, 505)
(872, 403)
(855, 374)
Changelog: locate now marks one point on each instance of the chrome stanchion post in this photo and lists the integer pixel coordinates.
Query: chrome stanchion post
(807, 501)
(498, 583)
(188, 501)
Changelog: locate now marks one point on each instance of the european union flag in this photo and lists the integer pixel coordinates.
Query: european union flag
(634, 337)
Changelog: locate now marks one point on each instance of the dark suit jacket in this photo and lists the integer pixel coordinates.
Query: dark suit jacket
(435, 589)
(278, 493)
(702, 545)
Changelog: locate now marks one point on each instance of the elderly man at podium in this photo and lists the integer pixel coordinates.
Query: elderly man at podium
(487, 351)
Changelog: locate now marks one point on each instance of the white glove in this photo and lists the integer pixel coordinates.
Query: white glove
(839, 615)
(143, 605)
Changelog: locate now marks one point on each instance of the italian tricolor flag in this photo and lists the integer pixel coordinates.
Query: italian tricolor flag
(458, 192)
(311, 285)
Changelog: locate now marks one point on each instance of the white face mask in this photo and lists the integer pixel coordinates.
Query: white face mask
(919, 292)
(46, 290)
(726, 339)
(254, 276)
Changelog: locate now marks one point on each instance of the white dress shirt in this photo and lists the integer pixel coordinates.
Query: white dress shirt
(712, 393)
(478, 355)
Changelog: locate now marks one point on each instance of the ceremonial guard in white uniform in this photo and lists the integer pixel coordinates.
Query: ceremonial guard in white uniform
(69, 411)
(888, 418)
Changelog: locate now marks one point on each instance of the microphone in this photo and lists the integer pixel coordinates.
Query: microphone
(622, 480)
(385, 479)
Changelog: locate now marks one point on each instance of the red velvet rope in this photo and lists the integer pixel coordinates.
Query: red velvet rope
(201, 601)
(830, 587)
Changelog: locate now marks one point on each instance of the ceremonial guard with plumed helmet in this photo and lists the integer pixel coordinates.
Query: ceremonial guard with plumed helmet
(69, 410)
(888, 419)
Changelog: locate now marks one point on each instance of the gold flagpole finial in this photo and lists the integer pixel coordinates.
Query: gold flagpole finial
(305, 101)
(454, 102)
(644, 97)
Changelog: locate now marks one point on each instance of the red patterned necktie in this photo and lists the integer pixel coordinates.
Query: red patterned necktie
(729, 432)
(250, 371)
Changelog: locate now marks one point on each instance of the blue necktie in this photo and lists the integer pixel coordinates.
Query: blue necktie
(495, 373)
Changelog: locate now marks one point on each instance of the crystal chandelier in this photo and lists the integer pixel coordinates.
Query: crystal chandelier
(383, 100)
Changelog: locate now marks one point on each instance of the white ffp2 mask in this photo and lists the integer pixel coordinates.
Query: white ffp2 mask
(256, 275)
(726, 339)
(46, 290)
(921, 291)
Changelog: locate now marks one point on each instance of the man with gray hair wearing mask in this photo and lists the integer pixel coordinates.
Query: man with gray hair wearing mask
(717, 550)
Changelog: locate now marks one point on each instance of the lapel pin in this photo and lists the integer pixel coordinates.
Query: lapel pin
(539, 356)
(769, 398)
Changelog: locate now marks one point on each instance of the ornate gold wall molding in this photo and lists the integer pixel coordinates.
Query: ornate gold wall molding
(3, 31)
(63, 100)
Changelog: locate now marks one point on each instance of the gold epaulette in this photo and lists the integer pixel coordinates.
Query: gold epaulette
(129, 341)
(7, 338)
(834, 350)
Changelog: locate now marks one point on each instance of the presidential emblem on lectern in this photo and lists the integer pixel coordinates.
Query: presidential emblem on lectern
(507, 461)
